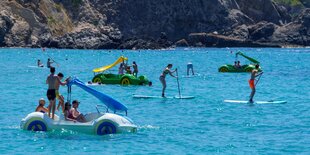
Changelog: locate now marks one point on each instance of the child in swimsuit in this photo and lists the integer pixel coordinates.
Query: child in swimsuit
(58, 95)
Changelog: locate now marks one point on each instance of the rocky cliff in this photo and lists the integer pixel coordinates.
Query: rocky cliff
(109, 24)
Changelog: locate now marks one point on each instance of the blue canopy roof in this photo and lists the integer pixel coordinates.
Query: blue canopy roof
(107, 100)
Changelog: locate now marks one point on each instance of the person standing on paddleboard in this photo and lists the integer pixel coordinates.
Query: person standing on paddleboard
(190, 67)
(162, 77)
(254, 74)
(49, 62)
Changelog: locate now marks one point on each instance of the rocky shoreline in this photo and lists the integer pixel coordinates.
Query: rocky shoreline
(95, 24)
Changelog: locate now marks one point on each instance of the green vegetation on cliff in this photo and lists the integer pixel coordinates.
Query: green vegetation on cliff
(290, 2)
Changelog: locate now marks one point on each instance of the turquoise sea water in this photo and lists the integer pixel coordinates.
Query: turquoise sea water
(204, 125)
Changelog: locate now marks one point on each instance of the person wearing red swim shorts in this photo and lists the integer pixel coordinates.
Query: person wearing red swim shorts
(254, 74)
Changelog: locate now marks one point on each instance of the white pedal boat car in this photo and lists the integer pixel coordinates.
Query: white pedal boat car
(97, 122)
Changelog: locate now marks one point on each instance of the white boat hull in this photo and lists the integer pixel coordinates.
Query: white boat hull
(97, 123)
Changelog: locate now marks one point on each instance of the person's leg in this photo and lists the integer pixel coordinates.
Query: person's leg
(163, 82)
(53, 108)
(187, 73)
(58, 105)
(193, 70)
(252, 94)
(48, 95)
(252, 86)
(61, 103)
(164, 88)
(49, 108)
(81, 118)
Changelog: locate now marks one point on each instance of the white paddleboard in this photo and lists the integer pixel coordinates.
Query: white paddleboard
(255, 102)
(190, 76)
(38, 67)
(159, 97)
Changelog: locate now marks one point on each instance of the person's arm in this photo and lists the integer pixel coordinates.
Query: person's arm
(171, 74)
(259, 74)
(61, 83)
(174, 70)
(37, 109)
(45, 109)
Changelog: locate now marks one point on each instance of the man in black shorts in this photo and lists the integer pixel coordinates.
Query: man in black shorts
(51, 95)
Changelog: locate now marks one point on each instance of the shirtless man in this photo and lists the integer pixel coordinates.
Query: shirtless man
(51, 80)
(254, 74)
(58, 95)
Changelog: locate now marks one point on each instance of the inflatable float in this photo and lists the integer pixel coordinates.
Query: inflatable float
(123, 79)
(243, 68)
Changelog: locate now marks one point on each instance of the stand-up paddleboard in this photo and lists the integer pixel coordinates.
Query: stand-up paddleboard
(255, 102)
(38, 67)
(190, 76)
(184, 97)
(159, 97)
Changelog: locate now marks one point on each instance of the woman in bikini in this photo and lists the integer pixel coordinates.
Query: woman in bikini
(162, 77)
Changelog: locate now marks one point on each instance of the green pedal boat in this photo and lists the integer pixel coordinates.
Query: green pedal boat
(123, 79)
(243, 68)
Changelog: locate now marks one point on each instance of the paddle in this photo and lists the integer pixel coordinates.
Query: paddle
(178, 82)
(52, 59)
(43, 50)
(258, 78)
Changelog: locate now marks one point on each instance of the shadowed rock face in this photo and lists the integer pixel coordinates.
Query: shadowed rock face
(260, 10)
(176, 18)
(179, 18)
(296, 33)
(147, 24)
(306, 3)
